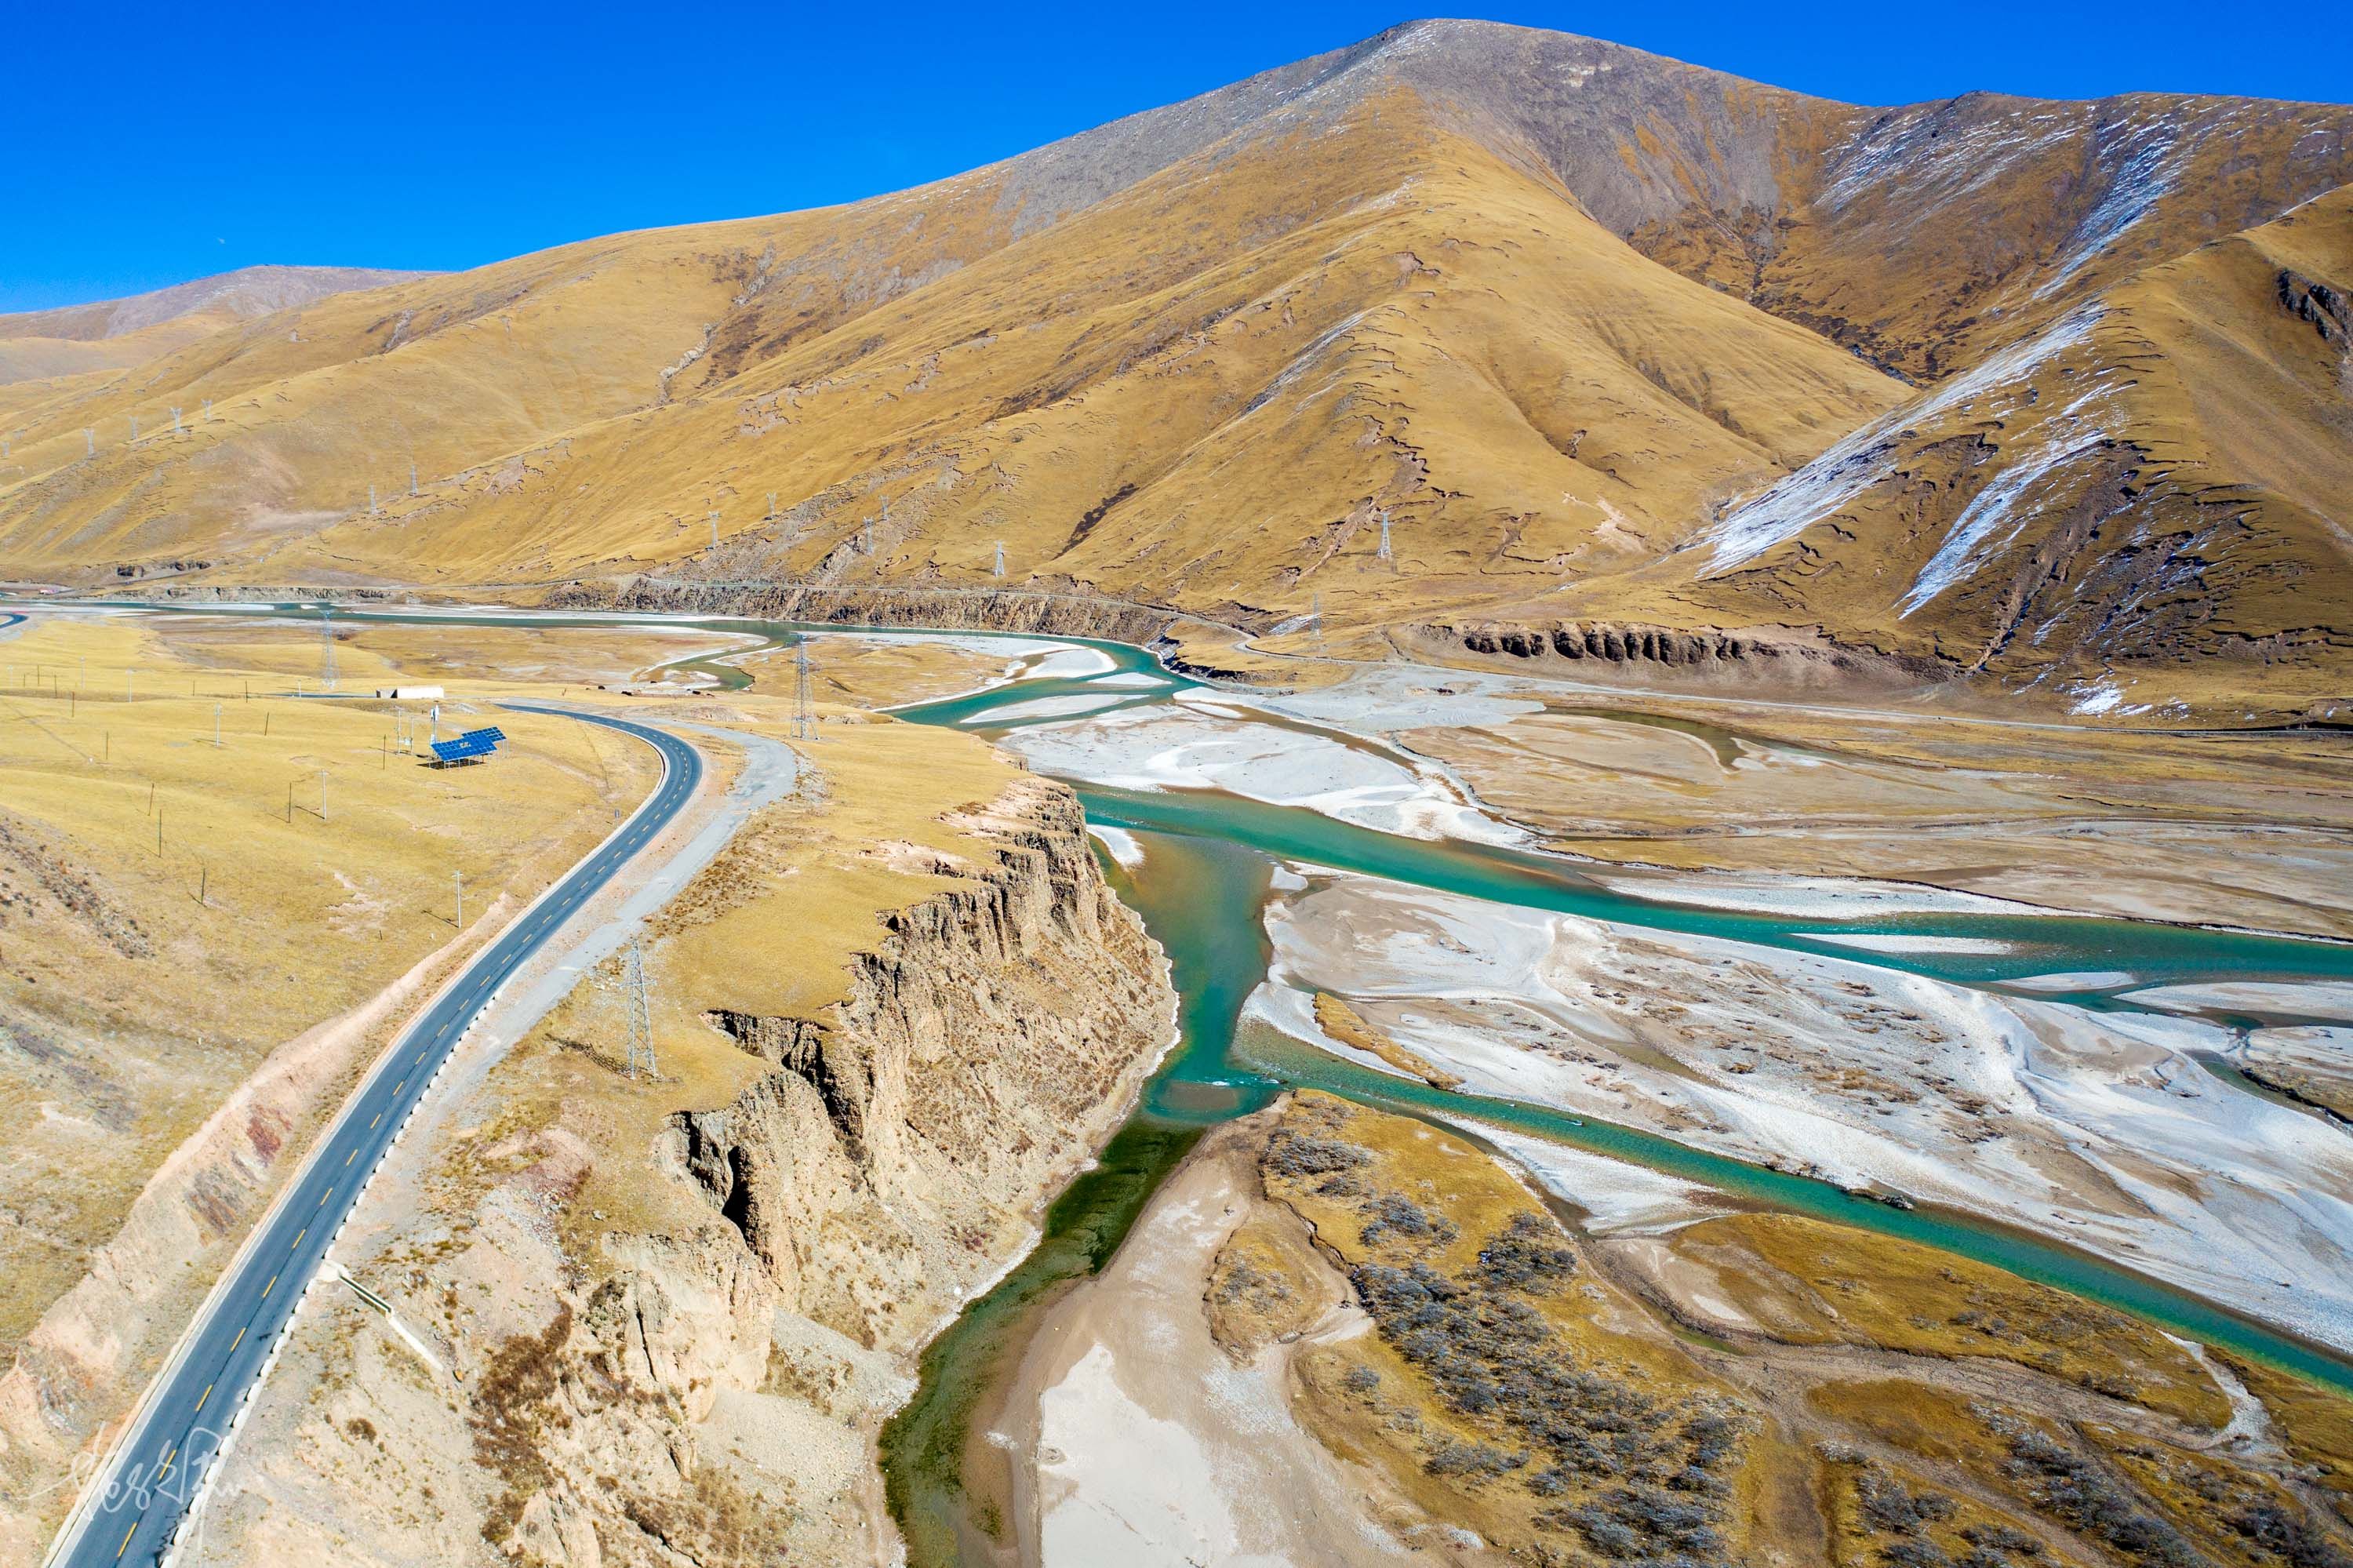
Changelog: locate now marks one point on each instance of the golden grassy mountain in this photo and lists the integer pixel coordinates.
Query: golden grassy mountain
(1927, 237)
(114, 334)
(1553, 307)
(2161, 481)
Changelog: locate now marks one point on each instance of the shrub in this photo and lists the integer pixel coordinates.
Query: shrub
(1397, 1214)
(1525, 1258)
(1304, 1154)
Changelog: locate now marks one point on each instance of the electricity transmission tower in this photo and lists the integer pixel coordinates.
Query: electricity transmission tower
(1000, 557)
(804, 711)
(641, 1027)
(1385, 534)
(327, 647)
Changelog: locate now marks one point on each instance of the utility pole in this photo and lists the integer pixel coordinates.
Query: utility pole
(458, 887)
(323, 794)
(216, 740)
(641, 1026)
(803, 713)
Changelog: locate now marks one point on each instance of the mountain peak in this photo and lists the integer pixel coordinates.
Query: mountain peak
(242, 294)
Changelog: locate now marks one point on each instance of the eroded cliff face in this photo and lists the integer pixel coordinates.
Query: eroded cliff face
(869, 1172)
(699, 1382)
(1776, 658)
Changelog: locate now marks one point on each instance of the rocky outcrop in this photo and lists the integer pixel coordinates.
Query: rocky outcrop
(700, 1382)
(2329, 310)
(1047, 611)
(1673, 654)
(986, 1044)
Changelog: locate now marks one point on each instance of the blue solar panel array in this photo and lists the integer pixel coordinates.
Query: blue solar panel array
(469, 747)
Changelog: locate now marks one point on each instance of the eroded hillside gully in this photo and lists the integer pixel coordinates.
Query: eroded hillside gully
(1978, 1076)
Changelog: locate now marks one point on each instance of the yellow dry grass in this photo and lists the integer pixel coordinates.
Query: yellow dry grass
(769, 929)
(2095, 1491)
(1528, 395)
(881, 674)
(169, 917)
(1207, 387)
(2193, 412)
(1369, 1402)
(1820, 1284)
(2315, 1424)
(1350, 1027)
(1265, 1283)
(1858, 1541)
(2096, 820)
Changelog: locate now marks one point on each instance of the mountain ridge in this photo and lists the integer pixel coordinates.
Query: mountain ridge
(1555, 308)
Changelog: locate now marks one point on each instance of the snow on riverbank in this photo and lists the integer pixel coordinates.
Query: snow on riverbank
(2332, 1000)
(1806, 897)
(2100, 1129)
(1198, 744)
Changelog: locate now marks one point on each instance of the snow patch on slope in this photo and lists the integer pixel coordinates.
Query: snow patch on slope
(2142, 178)
(1843, 473)
(1958, 557)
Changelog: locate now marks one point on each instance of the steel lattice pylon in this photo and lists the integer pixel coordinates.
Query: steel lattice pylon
(804, 709)
(641, 1026)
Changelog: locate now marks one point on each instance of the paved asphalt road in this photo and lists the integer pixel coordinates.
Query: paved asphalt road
(161, 1462)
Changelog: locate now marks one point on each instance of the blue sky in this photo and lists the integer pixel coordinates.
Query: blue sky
(145, 146)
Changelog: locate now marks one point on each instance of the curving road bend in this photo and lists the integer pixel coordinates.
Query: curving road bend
(134, 1509)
